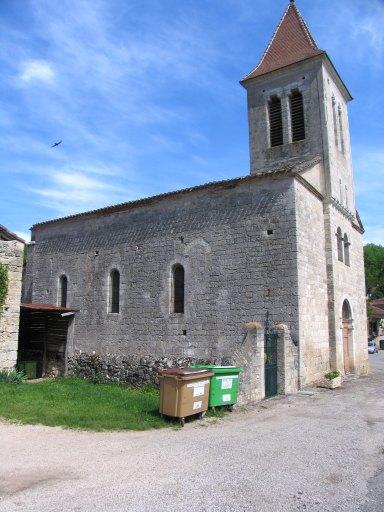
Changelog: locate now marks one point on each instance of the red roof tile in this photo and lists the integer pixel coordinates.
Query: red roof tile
(292, 42)
(7, 235)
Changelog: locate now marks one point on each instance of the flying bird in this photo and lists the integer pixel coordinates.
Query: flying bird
(56, 144)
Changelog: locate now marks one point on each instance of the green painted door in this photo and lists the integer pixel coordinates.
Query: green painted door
(270, 358)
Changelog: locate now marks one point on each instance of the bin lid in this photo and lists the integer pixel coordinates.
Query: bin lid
(220, 369)
(184, 372)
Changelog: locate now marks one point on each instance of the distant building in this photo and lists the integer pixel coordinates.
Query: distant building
(11, 255)
(376, 321)
(189, 273)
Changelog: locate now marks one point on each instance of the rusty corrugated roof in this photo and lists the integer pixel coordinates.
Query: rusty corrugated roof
(377, 313)
(292, 42)
(49, 308)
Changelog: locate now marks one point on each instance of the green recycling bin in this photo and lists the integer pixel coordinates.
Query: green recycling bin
(224, 385)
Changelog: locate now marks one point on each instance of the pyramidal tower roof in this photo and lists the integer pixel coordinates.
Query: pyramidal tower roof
(292, 42)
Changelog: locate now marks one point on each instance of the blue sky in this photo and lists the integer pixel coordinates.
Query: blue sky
(145, 96)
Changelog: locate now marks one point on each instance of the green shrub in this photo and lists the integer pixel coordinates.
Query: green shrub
(332, 375)
(3, 285)
(12, 376)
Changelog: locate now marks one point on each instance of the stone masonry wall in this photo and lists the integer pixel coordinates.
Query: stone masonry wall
(237, 246)
(11, 254)
(305, 77)
(312, 288)
(347, 283)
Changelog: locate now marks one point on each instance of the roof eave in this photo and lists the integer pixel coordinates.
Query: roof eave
(323, 55)
(10, 236)
(279, 172)
(344, 88)
(248, 79)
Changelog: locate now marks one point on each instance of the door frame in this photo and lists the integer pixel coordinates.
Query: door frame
(346, 337)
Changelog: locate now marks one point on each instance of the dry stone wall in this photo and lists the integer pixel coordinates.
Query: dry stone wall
(11, 255)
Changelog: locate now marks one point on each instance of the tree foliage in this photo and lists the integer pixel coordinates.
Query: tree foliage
(374, 270)
(3, 284)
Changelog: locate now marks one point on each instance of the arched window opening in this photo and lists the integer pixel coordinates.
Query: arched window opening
(178, 288)
(114, 291)
(335, 121)
(341, 130)
(346, 250)
(62, 291)
(346, 311)
(346, 196)
(339, 236)
(275, 121)
(297, 116)
(347, 337)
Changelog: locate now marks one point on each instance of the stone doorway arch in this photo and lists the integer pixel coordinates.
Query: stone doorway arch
(347, 336)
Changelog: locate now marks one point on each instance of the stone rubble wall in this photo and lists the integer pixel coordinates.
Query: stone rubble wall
(249, 356)
(11, 255)
(134, 371)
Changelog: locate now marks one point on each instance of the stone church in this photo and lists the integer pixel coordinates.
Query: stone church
(218, 271)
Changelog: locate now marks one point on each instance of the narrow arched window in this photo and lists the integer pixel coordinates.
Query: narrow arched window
(114, 291)
(178, 288)
(62, 291)
(346, 250)
(335, 121)
(339, 236)
(275, 121)
(297, 116)
(341, 130)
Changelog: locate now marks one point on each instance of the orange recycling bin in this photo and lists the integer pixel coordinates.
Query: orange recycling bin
(184, 392)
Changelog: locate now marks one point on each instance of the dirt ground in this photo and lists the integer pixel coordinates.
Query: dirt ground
(318, 451)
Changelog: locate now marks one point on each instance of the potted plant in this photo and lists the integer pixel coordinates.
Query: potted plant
(332, 380)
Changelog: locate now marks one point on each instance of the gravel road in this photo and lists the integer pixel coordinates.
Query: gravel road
(316, 452)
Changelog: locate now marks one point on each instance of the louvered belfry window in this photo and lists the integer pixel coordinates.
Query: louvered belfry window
(275, 121)
(297, 116)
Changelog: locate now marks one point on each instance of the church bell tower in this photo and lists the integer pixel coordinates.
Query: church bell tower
(297, 108)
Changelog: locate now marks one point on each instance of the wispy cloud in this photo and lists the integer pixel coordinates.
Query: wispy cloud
(353, 29)
(115, 85)
(72, 192)
(37, 71)
(145, 95)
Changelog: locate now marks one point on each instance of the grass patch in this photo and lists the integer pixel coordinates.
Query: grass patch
(80, 404)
